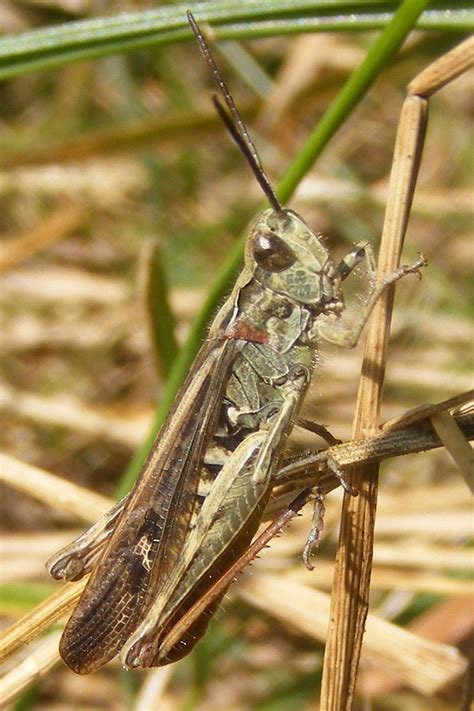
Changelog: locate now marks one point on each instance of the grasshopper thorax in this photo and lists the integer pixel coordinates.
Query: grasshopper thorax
(285, 255)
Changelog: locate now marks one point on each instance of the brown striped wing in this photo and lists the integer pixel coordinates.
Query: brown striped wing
(151, 531)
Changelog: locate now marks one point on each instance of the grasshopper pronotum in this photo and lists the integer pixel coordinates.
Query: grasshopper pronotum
(208, 478)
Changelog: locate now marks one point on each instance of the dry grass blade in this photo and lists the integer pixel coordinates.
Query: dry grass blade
(43, 657)
(417, 436)
(56, 226)
(153, 688)
(448, 622)
(23, 559)
(443, 71)
(424, 556)
(65, 410)
(351, 587)
(425, 411)
(427, 666)
(389, 578)
(456, 444)
(42, 617)
(53, 490)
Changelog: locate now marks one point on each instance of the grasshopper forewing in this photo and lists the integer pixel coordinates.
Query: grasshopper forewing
(205, 485)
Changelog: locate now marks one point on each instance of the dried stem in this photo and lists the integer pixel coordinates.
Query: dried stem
(59, 224)
(350, 596)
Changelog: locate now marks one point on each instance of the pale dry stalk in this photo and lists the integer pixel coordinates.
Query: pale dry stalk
(350, 596)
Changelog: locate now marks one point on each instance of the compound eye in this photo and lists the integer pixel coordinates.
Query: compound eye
(271, 253)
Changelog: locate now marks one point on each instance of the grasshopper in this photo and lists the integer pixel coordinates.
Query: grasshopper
(208, 478)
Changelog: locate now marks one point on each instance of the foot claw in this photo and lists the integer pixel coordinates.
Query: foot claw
(416, 266)
(335, 469)
(314, 535)
(312, 542)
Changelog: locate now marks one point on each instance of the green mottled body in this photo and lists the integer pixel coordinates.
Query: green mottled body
(271, 318)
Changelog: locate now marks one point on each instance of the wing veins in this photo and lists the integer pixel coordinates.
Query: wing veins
(108, 611)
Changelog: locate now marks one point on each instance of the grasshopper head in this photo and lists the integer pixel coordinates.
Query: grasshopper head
(284, 255)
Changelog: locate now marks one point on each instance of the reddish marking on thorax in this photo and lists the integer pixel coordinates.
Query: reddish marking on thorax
(245, 332)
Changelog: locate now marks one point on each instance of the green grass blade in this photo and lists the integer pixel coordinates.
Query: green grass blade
(50, 47)
(160, 317)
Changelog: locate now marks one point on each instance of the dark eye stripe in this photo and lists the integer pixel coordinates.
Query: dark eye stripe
(271, 253)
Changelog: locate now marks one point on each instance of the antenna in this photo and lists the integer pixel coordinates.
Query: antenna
(233, 120)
